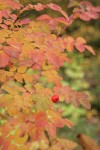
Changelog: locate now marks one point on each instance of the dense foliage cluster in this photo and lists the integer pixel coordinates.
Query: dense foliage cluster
(31, 53)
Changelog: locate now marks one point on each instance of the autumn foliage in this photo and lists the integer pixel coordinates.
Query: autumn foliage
(31, 53)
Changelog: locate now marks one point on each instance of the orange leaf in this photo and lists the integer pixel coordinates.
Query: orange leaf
(55, 118)
(12, 111)
(87, 142)
(12, 69)
(4, 59)
(51, 129)
(2, 76)
(18, 77)
(27, 78)
(21, 69)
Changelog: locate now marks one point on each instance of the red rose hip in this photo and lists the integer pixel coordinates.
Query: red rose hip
(55, 98)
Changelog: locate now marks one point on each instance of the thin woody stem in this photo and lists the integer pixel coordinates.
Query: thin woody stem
(49, 140)
(62, 31)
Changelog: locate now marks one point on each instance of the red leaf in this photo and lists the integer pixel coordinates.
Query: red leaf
(50, 21)
(56, 119)
(40, 119)
(73, 96)
(39, 7)
(51, 129)
(13, 16)
(63, 20)
(54, 7)
(69, 123)
(4, 26)
(14, 5)
(86, 4)
(83, 98)
(85, 16)
(80, 47)
(4, 59)
(4, 13)
(88, 11)
(14, 44)
(57, 8)
(44, 17)
(97, 9)
(79, 44)
(64, 14)
(93, 14)
(90, 49)
(56, 59)
(37, 58)
(25, 21)
(5, 144)
(11, 51)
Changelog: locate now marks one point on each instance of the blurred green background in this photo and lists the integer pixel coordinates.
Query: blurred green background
(83, 74)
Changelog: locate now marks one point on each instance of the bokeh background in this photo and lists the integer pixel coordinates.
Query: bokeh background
(83, 74)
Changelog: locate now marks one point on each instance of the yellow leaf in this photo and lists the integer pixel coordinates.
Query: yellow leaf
(38, 87)
(51, 75)
(27, 77)
(21, 89)
(6, 99)
(19, 101)
(29, 88)
(12, 111)
(47, 67)
(2, 39)
(26, 50)
(20, 140)
(27, 100)
(11, 90)
(2, 76)
(21, 69)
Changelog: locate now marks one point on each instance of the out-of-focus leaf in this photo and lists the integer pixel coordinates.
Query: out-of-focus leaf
(73, 4)
(4, 59)
(87, 142)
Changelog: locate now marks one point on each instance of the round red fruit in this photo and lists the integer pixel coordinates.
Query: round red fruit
(55, 98)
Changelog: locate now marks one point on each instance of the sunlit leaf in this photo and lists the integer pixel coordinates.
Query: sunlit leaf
(21, 69)
(18, 139)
